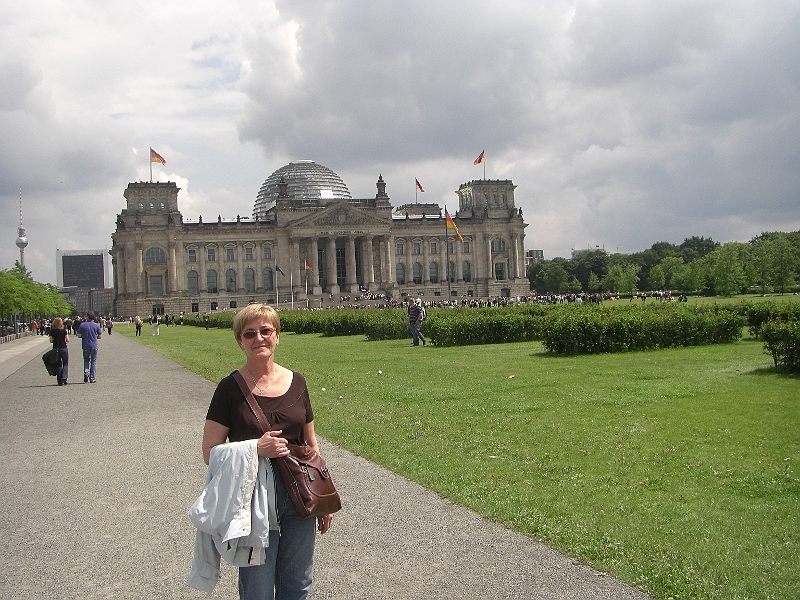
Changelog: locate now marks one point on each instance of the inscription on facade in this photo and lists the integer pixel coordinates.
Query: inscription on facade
(328, 233)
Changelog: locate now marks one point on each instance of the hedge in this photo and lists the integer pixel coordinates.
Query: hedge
(782, 341)
(595, 329)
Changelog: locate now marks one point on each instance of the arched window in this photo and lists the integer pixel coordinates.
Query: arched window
(154, 256)
(249, 280)
(498, 245)
(230, 281)
(192, 283)
(416, 270)
(400, 273)
(466, 271)
(451, 271)
(268, 281)
(211, 281)
(433, 268)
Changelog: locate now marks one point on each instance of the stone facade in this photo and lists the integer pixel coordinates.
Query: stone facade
(306, 252)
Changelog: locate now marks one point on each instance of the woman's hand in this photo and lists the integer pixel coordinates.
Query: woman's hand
(324, 523)
(272, 446)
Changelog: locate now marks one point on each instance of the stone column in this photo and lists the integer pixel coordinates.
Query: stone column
(297, 281)
(426, 272)
(173, 286)
(140, 286)
(488, 246)
(259, 275)
(351, 281)
(459, 248)
(368, 268)
(202, 283)
(333, 286)
(239, 268)
(314, 274)
(389, 259)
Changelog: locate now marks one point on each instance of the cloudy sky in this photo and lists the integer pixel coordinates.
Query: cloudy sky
(622, 123)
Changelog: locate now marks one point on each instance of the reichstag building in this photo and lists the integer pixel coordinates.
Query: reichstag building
(309, 243)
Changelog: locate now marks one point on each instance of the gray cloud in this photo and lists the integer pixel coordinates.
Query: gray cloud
(622, 122)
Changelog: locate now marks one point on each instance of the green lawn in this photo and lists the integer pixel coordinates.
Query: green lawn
(673, 470)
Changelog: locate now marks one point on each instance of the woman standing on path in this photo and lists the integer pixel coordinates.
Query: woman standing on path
(283, 396)
(60, 339)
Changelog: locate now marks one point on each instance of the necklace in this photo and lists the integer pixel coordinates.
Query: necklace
(260, 390)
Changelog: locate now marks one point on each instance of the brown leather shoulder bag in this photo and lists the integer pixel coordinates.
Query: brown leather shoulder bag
(304, 472)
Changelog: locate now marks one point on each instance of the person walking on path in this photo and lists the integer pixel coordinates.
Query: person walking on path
(60, 338)
(89, 332)
(414, 322)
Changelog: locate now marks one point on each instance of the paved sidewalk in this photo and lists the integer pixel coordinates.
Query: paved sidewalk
(96, 479)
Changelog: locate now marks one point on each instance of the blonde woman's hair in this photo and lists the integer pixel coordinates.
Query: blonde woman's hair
(58, 323)
(253, 312)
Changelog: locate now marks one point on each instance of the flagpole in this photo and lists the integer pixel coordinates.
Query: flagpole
(447, 254)
(150, 158)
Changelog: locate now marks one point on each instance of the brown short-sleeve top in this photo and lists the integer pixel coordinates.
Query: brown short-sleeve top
(289, 412)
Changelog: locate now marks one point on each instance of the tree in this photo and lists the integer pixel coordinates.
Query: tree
(777, 259)
(20, 293)
(593, 285)
(555, 278)
(612, 282)
(630, 279)
(575, 285)
(669, 265)
(586, 262)
(695, 247)
(656, 278)
(726, 271)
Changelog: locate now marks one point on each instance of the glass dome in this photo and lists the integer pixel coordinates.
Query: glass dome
(307, 183)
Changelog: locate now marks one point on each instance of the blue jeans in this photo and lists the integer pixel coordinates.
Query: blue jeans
(289, 566)
(90, 363)
(416, 333)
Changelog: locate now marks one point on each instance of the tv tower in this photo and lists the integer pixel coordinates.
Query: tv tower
(22, 241)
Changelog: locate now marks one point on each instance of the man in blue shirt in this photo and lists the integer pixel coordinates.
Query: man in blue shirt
(89, 332)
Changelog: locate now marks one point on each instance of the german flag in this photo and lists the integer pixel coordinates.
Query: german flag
(451, 225)
(156, 157)
(308, 266)
(419, 185)
(480, 159)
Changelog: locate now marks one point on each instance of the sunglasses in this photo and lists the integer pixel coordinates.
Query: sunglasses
(265, 332)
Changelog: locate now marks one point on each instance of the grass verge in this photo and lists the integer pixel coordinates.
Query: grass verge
(673, 470)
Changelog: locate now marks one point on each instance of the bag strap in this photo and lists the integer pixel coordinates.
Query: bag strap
(251, 400)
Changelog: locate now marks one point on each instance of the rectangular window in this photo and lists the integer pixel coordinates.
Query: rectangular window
(192, 255)
(195, 307)
(267, 253)
(213, 306)
(156, 285)
(212, 255)
(450, 249)
(465, 248)
(499, 271)
(229, 254)
(416, 248)
(433, 247)
(233, 303)
(158, 309)
(399, 250)
(248, 254)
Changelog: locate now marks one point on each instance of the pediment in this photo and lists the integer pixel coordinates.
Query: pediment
(339, 217)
